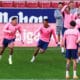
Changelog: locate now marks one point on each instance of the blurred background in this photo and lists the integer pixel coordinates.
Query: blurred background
(34, 3)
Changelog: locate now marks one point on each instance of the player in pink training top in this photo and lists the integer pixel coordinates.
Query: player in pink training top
(67, 17)
(71, 39)
(45, 34)
(9, 37)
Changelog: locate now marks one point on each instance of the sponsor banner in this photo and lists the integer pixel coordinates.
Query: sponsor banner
(28, 30)
(27, 15)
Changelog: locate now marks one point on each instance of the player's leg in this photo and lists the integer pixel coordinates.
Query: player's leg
(11, 47)
(36, 51)
(62, 48)
(67, 68)
(42, 46)
(4, 45)
(58, 29)
(79, 54)
(41, 51)
(78, 60)
(68, 59)
(1, 52)
(75, 69)
(75, 56)
(35, 54)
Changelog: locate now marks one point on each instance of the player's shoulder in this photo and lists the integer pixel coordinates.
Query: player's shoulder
(7, 24)
(67, 31)
(50, 26)
(19, 25)
(76, 30)
(41, 27)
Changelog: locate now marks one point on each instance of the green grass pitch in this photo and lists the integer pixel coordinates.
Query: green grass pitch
(50, 65)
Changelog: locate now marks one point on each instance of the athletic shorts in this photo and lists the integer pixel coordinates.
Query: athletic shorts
(59, 30)
(42, 44)
(71, 53)
(6, 42)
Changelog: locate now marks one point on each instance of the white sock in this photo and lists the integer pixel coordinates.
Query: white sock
(62, 49)
(33, 56)
(33, 59)
(74, 73)
(67, 73)
(10, 56)
(0, 56)
(10, 59)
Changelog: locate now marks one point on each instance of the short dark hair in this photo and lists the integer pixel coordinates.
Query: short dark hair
(60, 3)
(46, 20)
(73, 23)
(14, 18)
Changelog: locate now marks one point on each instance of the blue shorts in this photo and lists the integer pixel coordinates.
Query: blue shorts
(71, 53)
(42, 44)
(63, 30)
(6, 42)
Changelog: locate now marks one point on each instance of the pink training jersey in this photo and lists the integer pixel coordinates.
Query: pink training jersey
(45, 33)
(71, 36)
(10, 31)
(68, 17)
